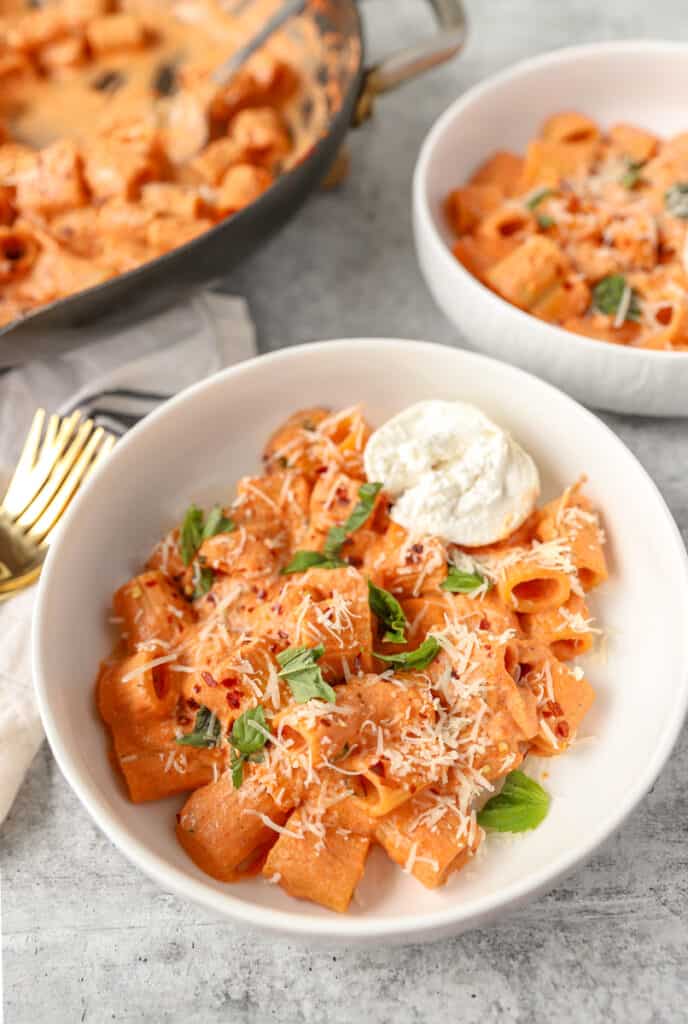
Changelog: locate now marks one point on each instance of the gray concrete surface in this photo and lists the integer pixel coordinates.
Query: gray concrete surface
(88, 938)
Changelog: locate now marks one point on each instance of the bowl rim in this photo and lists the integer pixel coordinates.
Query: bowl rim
(440, 128)
(341, 927)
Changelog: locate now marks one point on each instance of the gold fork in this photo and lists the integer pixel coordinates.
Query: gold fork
(51, 467)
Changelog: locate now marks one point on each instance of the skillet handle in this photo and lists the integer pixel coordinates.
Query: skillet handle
(407, 64)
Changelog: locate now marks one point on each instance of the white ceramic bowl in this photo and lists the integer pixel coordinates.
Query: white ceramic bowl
(196, 446)
(644, 82)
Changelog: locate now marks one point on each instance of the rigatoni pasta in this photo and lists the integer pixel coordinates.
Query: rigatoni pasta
(317, 680)
(586, 230)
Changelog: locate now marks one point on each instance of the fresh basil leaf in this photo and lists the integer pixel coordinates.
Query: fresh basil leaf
(336, 535)
(418, 659)
(545, 221)
(303, 674)
(237, 766)
(538, 196)
(303, 560)
(206, 732)
(217, 522)
(632, 176)
(389, 612)
(191, 533)
(458, 582)
(521, 805)
(294, 659)
(247, 742)
(245, 737)
(203, 580)
(329, 558)
(608, 293)
(676, 200)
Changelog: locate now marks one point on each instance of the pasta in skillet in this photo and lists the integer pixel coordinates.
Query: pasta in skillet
(587, 230)
(316, 680)
(117, 147)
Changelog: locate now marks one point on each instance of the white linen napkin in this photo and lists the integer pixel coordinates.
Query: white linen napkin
(162, 354)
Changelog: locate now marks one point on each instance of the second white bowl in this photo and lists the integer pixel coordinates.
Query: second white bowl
(609, 82)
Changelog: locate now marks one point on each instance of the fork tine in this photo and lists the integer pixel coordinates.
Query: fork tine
(57, 473)
(106, 447)
(45, 524)
(26, 459)
(34, 467)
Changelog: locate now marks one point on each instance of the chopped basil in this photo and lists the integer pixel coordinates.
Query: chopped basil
(245, 737)
(303, 674)
(521, 805)
(389, 612)
(303, 560)
(203, 580)
(191, 533)
(545, 221)
(676, 199)
(418, 659)
(206, 732)
(336, 535)
(194, 531)
(217, 522)
(247, 742)
(458, 582)
(237, 767)
(631, 176)
(536, 198)
(608, 293)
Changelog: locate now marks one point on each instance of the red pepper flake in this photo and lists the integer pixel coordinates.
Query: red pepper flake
(233, 699)
(196, 688)
(562, 729)
(208, 679)
(342, 495)
(552, 709)
(229, 681)
(178, 817)
(261, 594)
(192, 704)
(151, 583)
(282, 635)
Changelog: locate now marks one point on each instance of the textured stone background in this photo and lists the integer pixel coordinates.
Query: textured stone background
(87, 938)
